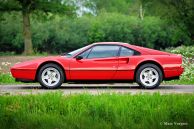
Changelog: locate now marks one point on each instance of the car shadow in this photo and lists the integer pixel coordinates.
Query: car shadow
(98, 87)
(82, 87)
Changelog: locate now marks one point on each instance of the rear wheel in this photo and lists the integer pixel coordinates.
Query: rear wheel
(149, 76)
(50, 76)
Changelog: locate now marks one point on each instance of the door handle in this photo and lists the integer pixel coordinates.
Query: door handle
(124, 60)
(127, 60)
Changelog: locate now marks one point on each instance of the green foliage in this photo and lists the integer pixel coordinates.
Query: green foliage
(11, 33)
(62, 34)
(119, 6)
(188, 75)
(177, 12)
(166, 23)
(27, 7)
(110, 111)
(181, 14)
(186, 51)
(6, 78)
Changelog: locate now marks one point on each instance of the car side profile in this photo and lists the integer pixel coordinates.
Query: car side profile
(104, 61)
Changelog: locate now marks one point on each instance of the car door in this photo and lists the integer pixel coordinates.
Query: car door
(98, 63)
(126, 59)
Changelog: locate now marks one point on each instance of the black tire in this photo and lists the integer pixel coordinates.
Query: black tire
(151, 66)
(61, 78)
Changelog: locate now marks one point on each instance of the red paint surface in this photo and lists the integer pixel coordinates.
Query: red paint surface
(112, 68)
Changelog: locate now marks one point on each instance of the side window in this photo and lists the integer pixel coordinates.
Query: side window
(103, 51)
(126, 52)
(85, 54)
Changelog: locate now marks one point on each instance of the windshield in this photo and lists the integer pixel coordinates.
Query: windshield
(70, 54)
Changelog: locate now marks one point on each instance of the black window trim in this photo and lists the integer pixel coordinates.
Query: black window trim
(85, 51)
(136, 53)
(117, 55)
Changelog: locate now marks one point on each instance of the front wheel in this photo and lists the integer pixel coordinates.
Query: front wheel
(149, 76)
(50, 76)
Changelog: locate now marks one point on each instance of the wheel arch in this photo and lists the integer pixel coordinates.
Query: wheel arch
(47, 62)
(149, 62)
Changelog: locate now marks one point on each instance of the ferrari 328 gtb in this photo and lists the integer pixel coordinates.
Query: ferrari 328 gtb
(105, 61)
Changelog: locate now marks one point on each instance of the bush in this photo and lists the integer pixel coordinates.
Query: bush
(62, 34)
(11, 39)
(186, 51)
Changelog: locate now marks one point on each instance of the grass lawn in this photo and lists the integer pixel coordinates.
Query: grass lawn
(106, 111)
(179, 82)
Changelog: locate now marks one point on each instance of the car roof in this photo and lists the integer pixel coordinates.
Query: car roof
(116, 43)
(110, 43)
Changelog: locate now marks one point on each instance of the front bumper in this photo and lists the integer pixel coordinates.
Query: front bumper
(24, 74)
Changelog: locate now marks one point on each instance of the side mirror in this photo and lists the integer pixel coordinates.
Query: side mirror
(62, 54)
(79, 57)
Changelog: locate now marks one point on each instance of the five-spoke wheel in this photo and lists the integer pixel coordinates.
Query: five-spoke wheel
(149, 76)
(50, 76)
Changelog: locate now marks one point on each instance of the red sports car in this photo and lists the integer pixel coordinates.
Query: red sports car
(105, 61)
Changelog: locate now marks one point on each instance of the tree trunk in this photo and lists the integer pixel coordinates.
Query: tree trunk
(141, 12)
(28, 49)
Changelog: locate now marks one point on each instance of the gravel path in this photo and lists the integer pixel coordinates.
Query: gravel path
(94, 89)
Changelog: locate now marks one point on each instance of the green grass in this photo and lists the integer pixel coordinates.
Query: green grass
(179, 82)
(16, 54)
(7, 53)
(106, 111)
(6, 78)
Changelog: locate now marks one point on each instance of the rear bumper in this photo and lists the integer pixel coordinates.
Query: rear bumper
(172, 78)
(173, 73)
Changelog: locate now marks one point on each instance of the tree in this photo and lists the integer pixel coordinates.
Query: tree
(128, 7)
(182, 13)
(26, 7)
(119, 6)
